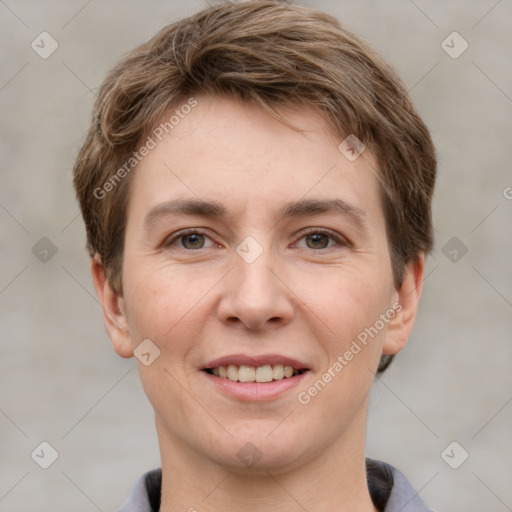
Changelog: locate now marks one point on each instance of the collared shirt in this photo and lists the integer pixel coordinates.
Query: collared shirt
(389, 490)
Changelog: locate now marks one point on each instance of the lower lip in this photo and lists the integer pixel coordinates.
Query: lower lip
(254, 391)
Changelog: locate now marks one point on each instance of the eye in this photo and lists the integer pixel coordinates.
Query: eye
(192, 239)
(319, 239)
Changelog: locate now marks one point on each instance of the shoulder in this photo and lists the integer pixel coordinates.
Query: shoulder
(145, 495)
(390, 490)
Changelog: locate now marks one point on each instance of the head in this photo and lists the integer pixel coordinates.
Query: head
(260, 111)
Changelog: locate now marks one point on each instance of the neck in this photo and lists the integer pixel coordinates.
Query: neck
(334, 479)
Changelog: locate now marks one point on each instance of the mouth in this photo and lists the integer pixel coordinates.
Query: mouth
(260, 374)
(260, 369)
(262, 378)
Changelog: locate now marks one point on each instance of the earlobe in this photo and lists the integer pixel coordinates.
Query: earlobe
(112, 305)
(400, 327)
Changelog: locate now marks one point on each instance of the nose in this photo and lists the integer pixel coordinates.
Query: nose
(256, 295)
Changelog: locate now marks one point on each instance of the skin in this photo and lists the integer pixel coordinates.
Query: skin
(303, 297)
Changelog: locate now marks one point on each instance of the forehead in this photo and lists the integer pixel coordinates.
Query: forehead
(237, 154)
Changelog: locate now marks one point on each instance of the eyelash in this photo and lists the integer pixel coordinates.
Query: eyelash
(195, 231)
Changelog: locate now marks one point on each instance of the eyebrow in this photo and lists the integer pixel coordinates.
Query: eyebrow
(212, 209)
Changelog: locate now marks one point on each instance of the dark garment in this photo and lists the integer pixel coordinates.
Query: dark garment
(389, 490)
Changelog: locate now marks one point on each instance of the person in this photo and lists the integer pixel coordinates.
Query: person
(256, 188)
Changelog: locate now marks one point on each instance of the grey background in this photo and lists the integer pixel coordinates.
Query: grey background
(60, 380)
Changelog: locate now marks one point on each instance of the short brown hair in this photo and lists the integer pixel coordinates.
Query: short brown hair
(273, 54)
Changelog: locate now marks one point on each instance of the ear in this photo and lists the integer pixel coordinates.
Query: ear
(408, 297)
(114, 314)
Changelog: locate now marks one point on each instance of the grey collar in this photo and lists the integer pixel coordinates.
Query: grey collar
(387, 485)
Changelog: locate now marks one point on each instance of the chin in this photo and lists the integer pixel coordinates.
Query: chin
(259, 462)
(255, 452)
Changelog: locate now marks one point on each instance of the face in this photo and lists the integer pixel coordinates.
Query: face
(260, 253)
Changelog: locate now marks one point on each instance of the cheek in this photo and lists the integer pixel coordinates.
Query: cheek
(164, 305)
(348, 327)
(345, 299)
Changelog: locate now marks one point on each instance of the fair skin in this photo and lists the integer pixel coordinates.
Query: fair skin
(307, 296)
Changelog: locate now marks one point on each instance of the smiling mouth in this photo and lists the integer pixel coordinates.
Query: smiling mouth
(260, 374)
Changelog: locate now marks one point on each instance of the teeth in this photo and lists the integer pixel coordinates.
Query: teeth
(244, 373)
(264, 373)
(232, 372)
(288, 371)
(278, 371)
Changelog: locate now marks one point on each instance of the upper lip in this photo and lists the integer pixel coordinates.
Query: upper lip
(256, 361)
